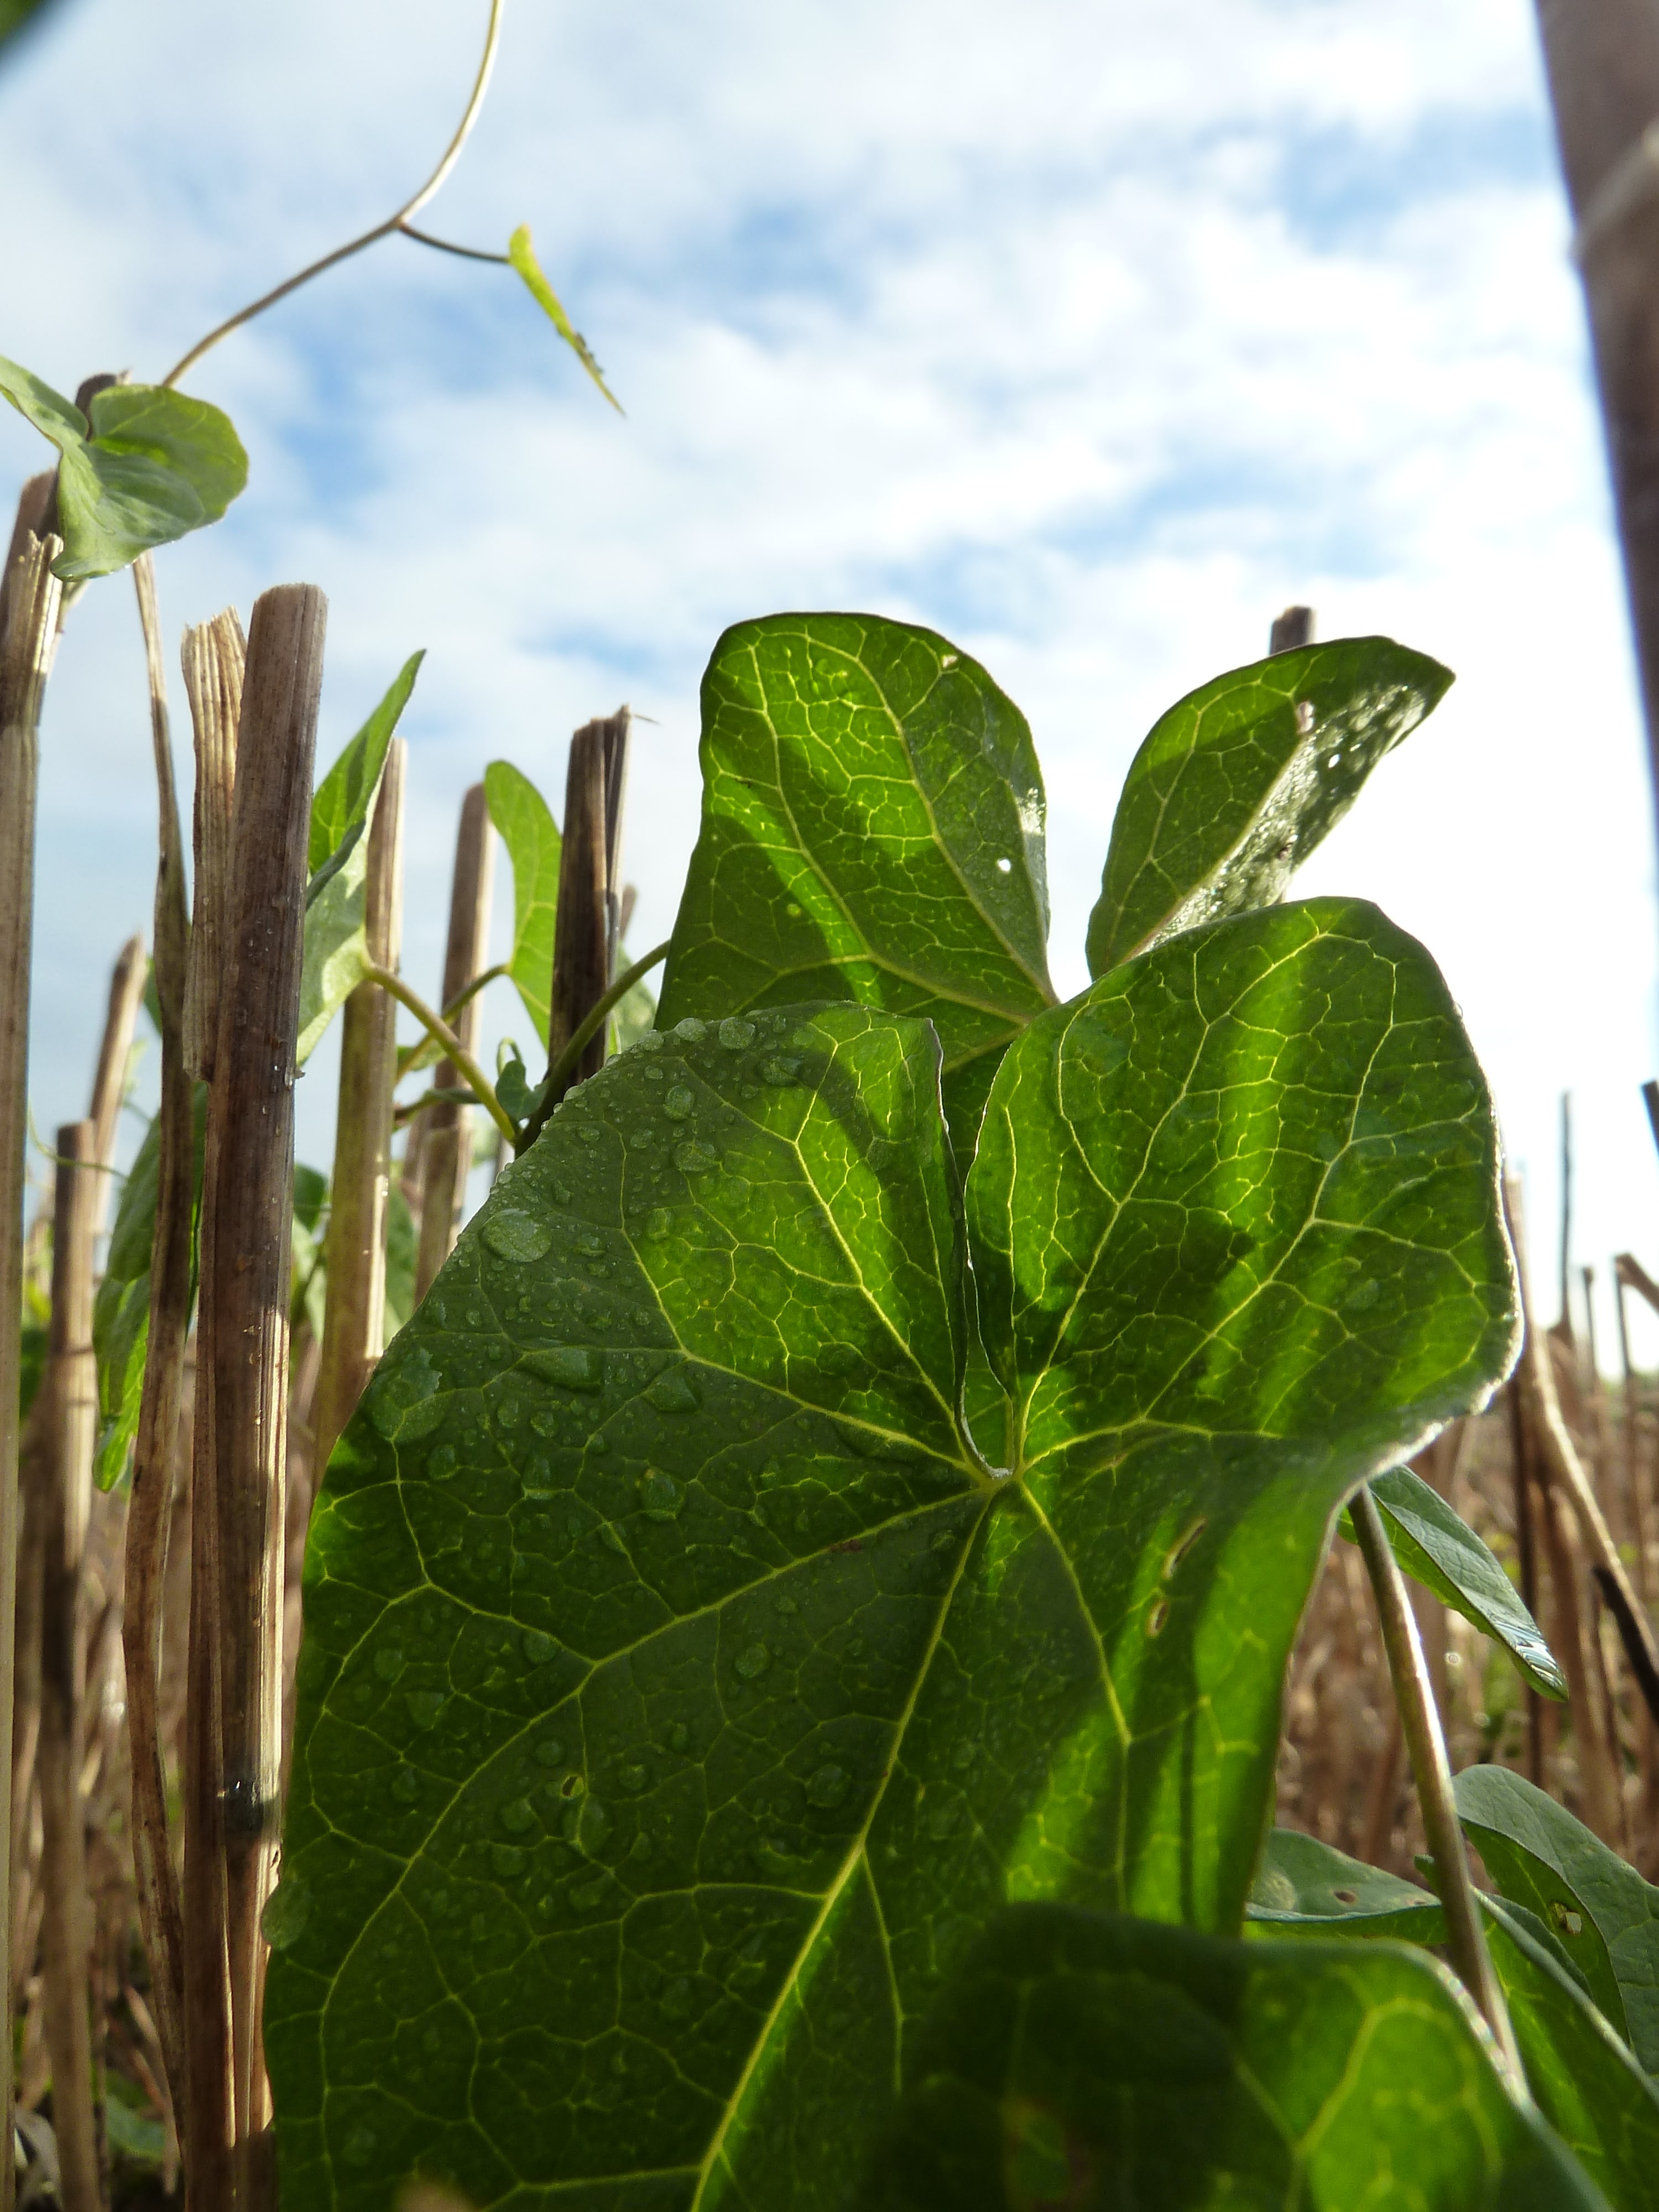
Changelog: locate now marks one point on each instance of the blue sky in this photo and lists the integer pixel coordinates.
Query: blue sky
(1088, 333)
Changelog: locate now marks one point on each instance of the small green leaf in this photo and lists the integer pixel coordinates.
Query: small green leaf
(1078, 2064)
(151, 465)
(1587, 2084)
(1438, 1548)
(1240, 780)
(872, 830)
(343, 799)
(528, 829)
(522, 255)
(1303, 1884)
(336, 949)
(1604, 1916)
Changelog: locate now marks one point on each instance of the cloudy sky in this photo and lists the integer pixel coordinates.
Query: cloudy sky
(1088, 333)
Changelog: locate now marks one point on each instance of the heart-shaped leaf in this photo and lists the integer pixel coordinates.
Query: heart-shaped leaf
(681, 1687)
(872, 830)
(149, 466)
(1083, 2064)
(1303, 1886)
(1436, 1547)
(1238, 782)
(1604, 1916)
(525, 825)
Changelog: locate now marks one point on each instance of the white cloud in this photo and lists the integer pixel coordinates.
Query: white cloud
(1090, 335)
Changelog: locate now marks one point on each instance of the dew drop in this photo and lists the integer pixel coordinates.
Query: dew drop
(633, 1778)
(944, 1822)
(736, 1035)
(827, 1787)
(675, 2003)
(572, 1366)
(964, 1755)
(752, 1662)
(517, 1816)
(652, 1041)
(406, 1785)
(780, 1073)
(389, 1664)
(517, 1236)
(660, 1496)
(590, 1893)
(673, 1392)
(1005, 865)
(359, 2147)
(695, 1157)
(659, 1222)
(691, 1029)
(424, 1706)
(505, 1860)
(536, 1648)
(679, 1737)
(287, 1911)
(680, 1104)
(589, 1134)
(593, 1826)
(785, 1605)
(792, 911)
(550, 1751)
(442, 1463)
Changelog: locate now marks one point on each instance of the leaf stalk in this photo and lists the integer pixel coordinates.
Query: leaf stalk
(558, 1076)
(439, 1030)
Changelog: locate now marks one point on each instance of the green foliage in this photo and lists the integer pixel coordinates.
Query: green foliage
(1240, 780)
(526, 828)
(1089, 2063)
(1587, 2083)
(1604, 1916)
(336, 949)
(522, 254)
(681, 1688)
(150, 465)
(1438, 1548)
(15, 14)
(872, 824)
(120, 1313)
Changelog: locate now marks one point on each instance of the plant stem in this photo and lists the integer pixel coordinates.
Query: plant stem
(70, 1427)
(437, 1028)
(447, 246)
(214, 659)
(234, 1717)
(30, 598)
(1419, 1721)
(426, 1053)
(354, 1324)
(562, 1068)
(452, 155)
(443, 1137)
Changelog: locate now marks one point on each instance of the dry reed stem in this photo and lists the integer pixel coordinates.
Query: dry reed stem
(214, 655)
(443, 1141)
(70, 1386)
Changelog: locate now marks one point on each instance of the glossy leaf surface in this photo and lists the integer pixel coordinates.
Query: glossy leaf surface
(1237, 783)
(680, 1690)
(872, 830)
(522, 254)
(1604, 1915)
(1436, 1547)
(336, 949)
(1587, 2084)
(1099, 2064)
(525, 825)
(149, 466)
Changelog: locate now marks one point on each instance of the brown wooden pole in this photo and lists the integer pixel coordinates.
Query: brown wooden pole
(444, 1133)
(1602, 57)
(354, 1324)
(236, 1599)
(30, 601)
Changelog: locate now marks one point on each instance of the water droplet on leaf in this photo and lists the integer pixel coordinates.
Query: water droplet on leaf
(442, 1463)
(572, 1366)
(827, 1787)
(660, 1496)
(673, 1392)
(735, 1035)
(517, 1236)
(691, 1029)
(752, 1662)
(680, 1104)
(517, 1816)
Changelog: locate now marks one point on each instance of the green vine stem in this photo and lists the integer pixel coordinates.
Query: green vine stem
(414, 1057)
(439, 1030)
(393, 222)
(1465, 1938)
(570, 1059)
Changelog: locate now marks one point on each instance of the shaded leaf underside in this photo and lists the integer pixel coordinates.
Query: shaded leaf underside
(680, 1692)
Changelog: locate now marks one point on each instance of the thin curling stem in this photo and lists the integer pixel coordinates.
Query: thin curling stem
(570, 1058)
(438, 1029)
(393, 222)
(1466, 1936)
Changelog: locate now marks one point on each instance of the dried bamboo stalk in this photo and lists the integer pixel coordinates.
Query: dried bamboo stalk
(30, 598)
(127, 992)
(69, 1432)
(354, 1320)
(235, 1706)
(215, 656)
(589, 903)
(1647, 1730)
(445, 1133)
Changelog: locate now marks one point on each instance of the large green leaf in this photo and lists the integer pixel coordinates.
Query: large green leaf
(1438, 1548)
(150, 465)
(873, 829)
(336, 948)
(680, 1690)
(1238, 782)
(1587, 2084)
(526, 828)
(1604, 1915)
(1089, 2064)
